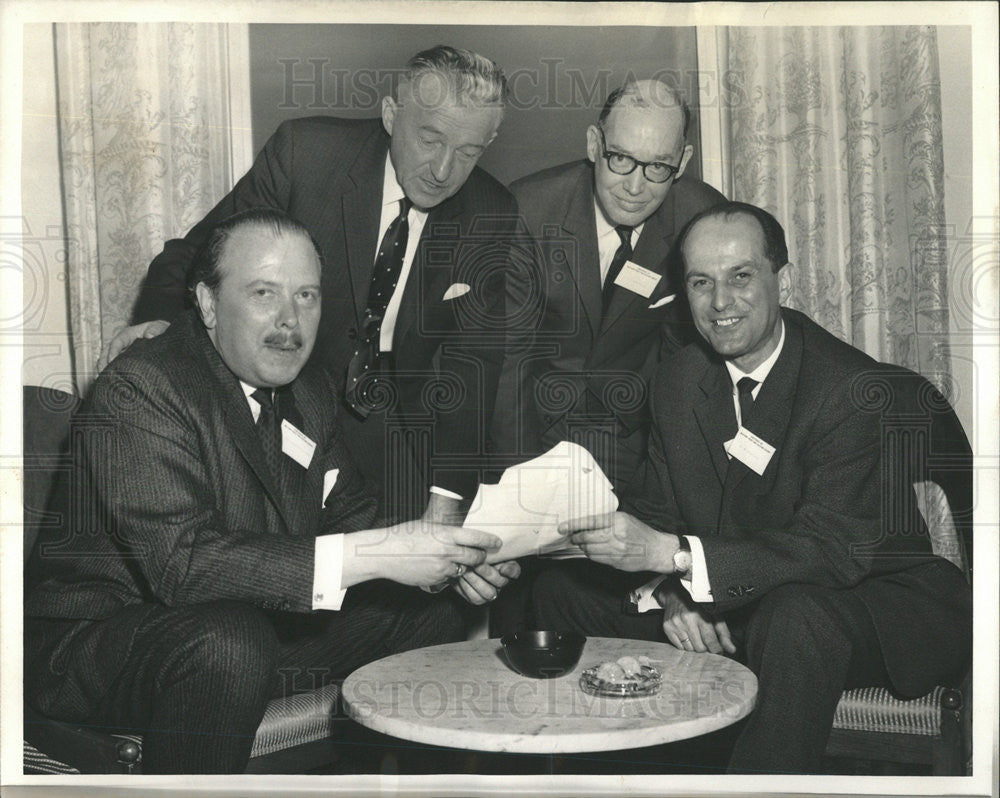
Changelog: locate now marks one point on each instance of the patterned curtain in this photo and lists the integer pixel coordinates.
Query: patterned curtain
(837, 131)
(145, 150)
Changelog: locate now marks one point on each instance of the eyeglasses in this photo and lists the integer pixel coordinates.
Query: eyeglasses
(622, 164)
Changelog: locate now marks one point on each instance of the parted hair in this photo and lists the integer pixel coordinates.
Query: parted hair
(205, 265)
(473, 78)
(629, 91)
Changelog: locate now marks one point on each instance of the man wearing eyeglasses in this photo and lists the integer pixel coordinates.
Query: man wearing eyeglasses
(602, 228)
(594, 291)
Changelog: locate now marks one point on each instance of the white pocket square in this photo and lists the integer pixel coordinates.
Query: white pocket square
(329, 480)
(456, 290)
(659, 303)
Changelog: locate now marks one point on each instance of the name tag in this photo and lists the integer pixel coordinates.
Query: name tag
(637, 279)
(755, 453)
(296, 444)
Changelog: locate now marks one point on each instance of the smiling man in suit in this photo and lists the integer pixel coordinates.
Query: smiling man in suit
(602, 229)
(414, 236)
(765, 508)
(237, 562)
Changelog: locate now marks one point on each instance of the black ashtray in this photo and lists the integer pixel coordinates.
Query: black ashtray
(543, 654)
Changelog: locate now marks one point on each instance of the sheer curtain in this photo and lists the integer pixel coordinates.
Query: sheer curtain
(152, 124)
(837, 131)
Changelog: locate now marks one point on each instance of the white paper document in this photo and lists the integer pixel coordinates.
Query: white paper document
(526, 507)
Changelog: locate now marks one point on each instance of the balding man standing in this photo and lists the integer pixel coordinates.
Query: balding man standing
(603, 228)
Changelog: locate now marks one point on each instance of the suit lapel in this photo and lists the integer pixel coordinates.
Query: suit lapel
(716, 417)
(239, 420)
(361, 205)
(425, 286)
(579, 224)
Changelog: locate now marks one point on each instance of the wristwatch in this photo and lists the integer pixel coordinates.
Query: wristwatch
(682, 558)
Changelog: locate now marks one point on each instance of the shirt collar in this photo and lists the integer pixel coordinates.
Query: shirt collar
(760, 373)
(605, 228)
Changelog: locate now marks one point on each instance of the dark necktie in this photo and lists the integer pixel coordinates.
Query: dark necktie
(363, 368)
(745, 388)
(269, 429)
(622, 254)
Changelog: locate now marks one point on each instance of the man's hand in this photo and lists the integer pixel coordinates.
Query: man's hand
(443, 510)
(689, 627)
(126, 336)
(623, 542)
(419, 553)
(483, 583)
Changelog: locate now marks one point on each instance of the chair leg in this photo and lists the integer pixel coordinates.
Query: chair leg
(949, 751)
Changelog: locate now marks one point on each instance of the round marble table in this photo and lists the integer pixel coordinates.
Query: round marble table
(464, 695)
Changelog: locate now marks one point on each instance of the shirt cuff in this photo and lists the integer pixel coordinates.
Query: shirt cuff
(643, 596)
(442, 492)
(698, 585)
(328, 572)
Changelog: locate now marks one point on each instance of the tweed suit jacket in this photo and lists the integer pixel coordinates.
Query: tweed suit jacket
(327, 173)
(174, 502)
(821, 512)
(589, 363)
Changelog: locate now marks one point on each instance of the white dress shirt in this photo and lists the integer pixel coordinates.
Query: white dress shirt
(328, 563)
(698, 584)
(608, 240)
(392, 193)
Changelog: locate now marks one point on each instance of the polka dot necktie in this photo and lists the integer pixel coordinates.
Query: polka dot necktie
(622, 254)
(362, 372)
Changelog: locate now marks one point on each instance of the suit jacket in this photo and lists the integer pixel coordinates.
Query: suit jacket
(821, 513)
(328, 174)
(586, 365)
(173, 501)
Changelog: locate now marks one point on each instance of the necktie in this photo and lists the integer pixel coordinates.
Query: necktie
(745, 388)
(622, 254)
(388, 264)
(269, 429)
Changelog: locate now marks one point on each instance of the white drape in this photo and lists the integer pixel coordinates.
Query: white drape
(146, 133)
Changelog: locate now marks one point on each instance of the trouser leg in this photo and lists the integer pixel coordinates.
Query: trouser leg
(377, 619)
(806, 644)
(194, 684)
(584, 596)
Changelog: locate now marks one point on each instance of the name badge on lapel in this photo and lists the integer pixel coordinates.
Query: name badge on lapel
(296, 444)
(755, 453)
(637, 279)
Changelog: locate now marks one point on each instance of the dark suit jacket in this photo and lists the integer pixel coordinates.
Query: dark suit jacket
(821, 513)
(186, 508)
(587, 365)
(328, 173)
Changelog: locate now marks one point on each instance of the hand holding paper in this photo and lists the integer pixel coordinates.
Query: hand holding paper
(526, 507)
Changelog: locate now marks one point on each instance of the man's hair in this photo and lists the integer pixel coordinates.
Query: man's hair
(629, 92)
(205, 266)
(473, 78)
(775, 248)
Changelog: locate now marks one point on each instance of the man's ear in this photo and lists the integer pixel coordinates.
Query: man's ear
(685, 157)
(205, 297)
(785, 283)
(593, 143)
(389, 110)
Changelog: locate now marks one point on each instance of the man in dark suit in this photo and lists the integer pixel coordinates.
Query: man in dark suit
(609, 219)
(416, 345)
(764, 499)
(213, 572)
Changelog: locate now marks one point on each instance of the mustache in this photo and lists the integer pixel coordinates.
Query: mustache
(291, 340)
